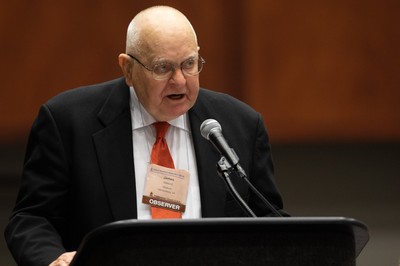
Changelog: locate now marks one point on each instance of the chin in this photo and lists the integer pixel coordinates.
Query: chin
(174, 115)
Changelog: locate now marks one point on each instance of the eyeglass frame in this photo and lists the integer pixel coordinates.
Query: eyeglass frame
(154, 75)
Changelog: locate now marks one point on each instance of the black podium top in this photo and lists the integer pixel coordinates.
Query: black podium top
(268, 236)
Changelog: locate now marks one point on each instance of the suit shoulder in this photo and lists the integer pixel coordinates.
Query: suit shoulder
(84, 95)
(213, 99)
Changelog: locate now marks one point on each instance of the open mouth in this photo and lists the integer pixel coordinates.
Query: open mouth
(175, 96)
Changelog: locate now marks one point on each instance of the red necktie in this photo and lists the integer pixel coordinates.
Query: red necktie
(160, 155)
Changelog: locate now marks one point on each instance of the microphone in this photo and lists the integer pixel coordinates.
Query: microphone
(211, 130)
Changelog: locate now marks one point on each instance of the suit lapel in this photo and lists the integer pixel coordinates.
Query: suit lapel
(114, 152)
(212, 189)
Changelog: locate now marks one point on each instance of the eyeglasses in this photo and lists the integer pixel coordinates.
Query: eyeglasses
(164, 70)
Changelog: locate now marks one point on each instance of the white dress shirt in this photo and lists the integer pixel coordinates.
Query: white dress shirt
(180, 144)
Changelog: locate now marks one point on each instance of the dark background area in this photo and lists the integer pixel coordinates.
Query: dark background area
(324, 75)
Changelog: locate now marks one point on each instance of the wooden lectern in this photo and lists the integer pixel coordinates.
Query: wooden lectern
(226, 241)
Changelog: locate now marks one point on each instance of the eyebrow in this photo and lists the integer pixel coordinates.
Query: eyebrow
(164, 60)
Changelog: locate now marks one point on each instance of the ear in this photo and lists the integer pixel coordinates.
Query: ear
(126, 65)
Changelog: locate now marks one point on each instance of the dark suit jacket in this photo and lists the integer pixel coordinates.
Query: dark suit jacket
(79, 173)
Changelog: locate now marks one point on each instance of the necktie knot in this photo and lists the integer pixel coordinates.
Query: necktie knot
(161, 129)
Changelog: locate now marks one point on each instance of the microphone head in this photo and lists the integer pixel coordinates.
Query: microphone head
(209, 126)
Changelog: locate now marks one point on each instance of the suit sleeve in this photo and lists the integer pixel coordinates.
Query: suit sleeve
(36, 225)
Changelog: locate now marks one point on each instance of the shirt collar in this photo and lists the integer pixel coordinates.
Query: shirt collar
(141, 118)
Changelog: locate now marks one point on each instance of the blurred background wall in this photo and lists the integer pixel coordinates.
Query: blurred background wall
(324, 75)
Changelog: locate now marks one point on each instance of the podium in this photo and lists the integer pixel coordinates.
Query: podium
(225, 241)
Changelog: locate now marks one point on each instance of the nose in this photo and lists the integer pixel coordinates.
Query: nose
(178, 77)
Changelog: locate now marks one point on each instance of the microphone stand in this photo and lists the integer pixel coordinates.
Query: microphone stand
(224, 171)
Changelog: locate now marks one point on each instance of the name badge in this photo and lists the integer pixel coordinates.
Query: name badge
(166, 188)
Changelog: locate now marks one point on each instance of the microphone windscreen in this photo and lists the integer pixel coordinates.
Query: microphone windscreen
(208, 126)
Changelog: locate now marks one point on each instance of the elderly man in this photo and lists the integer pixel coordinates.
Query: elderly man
(89, 149)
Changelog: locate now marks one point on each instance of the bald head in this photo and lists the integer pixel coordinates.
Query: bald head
(151, 27)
